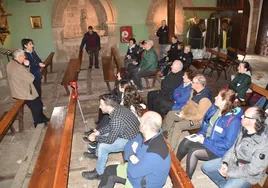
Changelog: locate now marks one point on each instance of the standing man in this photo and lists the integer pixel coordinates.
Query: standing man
(92, 41)
(162, 34)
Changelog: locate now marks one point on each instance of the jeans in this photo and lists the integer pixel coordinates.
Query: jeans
(162, 49)
(103, 151)
(210, 168)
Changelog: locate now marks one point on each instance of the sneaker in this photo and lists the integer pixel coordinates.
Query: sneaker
(97, 67)
(162, 78)
(92, 145)
(90, 150)
(90, 155)
(90, 67)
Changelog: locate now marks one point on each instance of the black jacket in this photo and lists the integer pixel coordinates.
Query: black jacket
(186, 59)
(173, 51)
(133, 52)
(85, 40)
(171, 82)
(163, 35)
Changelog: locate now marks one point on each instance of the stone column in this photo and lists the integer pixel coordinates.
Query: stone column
(254, 26)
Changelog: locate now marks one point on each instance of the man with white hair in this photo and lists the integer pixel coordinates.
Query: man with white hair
(147, 155)
(157, 98)
(21, 85)
(147, 66)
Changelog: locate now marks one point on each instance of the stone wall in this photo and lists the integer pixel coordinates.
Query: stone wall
(71, 19)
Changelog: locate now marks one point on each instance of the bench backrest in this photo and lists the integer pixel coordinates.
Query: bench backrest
(216, 53)
(49, 59)
(116, 57)
(262, 91)
(177, 174)
(9, 117)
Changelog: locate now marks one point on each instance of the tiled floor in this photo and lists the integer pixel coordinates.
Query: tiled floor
(13, 147)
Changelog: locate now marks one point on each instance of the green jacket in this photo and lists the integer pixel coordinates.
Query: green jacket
(240, 85)
(149, 61)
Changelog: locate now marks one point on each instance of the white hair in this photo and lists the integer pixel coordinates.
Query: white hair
(18, 52)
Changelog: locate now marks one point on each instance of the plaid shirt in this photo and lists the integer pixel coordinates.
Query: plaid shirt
(123, 124)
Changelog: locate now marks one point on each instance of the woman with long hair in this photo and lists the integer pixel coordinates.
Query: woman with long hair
(133, 101)
(219, 130)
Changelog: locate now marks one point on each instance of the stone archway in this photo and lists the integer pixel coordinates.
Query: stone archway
(66, 26)
(158, 11)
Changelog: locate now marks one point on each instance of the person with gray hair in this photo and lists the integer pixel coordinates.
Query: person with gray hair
(191, 114)
(246, 161)
(147, 66)
(157, 99)
(147, 156)
(21, 85)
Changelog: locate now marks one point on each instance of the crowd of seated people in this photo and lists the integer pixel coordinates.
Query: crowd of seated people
(184, 102)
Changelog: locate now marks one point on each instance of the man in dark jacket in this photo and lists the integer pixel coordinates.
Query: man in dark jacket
(162, 34)
(147, 155)
(171, 81)
(186, 57)
(92, 41)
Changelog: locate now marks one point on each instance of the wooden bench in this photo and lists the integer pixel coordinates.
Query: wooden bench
(109, 64)
(6, 121)
(52, 165)
(72, 70)
(48, 63)
(154, 77)
(218, 64)
(265, 185)
(257, 89)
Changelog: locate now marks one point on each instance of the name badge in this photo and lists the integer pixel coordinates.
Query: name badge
(218, 129)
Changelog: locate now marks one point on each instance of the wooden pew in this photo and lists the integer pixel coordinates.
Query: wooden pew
(110, 66)
(52, 166)
(48, 63)
(9, 117)
(72, 70)
(177, 174)
(260, 90)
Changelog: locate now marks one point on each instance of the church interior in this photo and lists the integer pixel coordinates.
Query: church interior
(51, 154)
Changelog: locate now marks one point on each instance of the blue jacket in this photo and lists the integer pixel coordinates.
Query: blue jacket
(34, 64)
(154, 162)
(181, 95)
(224, 131)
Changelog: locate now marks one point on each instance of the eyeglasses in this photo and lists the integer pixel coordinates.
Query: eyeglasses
(244, 117)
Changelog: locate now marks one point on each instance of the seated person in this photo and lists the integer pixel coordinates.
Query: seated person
(132, 52)
(246, 161)
(191, 114)
(242, 80)
(147, 66)
(21, 85)
(123, 126)
(186, 57)
(219, 130)
(180, 95)
(122, 74)
(171, 81)
(147, 155)
(133, 101)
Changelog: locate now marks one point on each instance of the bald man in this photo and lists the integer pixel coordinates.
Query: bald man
(147, 155)
(171, 81)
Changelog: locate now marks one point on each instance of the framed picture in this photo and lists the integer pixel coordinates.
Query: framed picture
(32, 1)
(36, 22)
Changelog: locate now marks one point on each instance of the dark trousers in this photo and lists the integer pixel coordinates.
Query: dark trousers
(138, 75)
(151, 97)
(195, 151)
(93, 51)
(37, 85)
(36, 107)
(109, 177)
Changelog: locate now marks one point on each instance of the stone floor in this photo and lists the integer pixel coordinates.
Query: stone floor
(91, 85)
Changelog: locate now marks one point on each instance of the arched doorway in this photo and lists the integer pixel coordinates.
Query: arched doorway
(70, 19)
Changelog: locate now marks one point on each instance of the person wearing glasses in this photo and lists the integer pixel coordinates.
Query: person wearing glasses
(191, 114)
(245, 163)
(219, 130)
